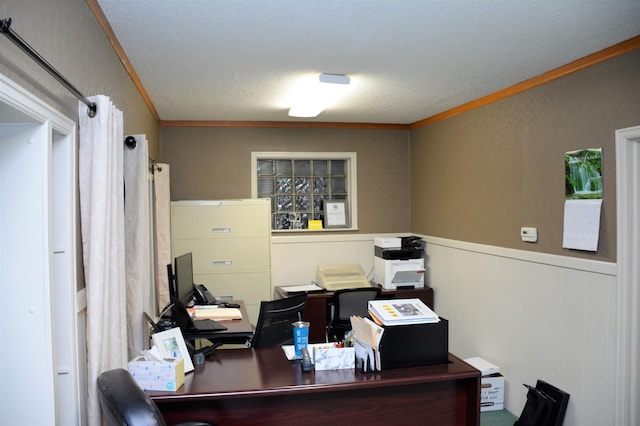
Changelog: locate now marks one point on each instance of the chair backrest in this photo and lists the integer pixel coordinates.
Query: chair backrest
(353, 301)
(124, 402)
(274, 321)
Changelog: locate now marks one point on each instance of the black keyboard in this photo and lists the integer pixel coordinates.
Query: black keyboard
(208, 325)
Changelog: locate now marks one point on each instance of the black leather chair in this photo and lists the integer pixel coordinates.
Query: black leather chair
(274, 321)
(348, 302)
(124, 403)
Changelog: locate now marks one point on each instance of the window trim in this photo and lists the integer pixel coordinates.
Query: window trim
(352, 172)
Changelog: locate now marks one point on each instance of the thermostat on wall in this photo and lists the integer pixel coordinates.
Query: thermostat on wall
(529, 235)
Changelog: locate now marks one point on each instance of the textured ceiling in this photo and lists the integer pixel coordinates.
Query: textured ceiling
(408, 59)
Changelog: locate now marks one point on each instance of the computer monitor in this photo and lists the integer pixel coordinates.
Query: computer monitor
(183, 282)
(171, 281)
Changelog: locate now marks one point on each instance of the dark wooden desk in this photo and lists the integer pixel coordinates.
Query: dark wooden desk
(261, 387)
(318, 307)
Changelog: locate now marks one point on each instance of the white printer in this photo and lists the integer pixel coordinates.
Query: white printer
(399, 262)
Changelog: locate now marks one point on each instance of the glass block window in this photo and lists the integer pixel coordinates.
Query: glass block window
(299, 183)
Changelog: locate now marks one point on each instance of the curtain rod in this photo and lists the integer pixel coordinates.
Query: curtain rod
(131, 142)
(5, 25)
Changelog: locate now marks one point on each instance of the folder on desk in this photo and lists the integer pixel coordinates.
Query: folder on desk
(366, 336)
(218, 314)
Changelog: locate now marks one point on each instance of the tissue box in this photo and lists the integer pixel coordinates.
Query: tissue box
(334, 358)
(167, 375)
(492, 392)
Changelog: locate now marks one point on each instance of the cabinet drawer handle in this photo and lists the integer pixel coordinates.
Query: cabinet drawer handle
(221, 229)
(222, 262)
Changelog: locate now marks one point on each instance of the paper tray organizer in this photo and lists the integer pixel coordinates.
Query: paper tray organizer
(413, 345)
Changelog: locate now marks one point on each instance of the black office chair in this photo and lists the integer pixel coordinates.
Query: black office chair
(348, 302)
(274, 321)
(124, 403)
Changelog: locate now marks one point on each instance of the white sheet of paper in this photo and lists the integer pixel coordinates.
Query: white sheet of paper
(301, 288)
(581, 224)
(336, 215)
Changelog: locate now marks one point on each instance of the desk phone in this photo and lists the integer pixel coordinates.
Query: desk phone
(203, 297)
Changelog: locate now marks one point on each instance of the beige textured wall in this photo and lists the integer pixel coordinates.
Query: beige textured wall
(482, 175)
(215, 163)
(67, 35)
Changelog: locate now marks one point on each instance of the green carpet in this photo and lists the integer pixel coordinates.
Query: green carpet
(497, 418)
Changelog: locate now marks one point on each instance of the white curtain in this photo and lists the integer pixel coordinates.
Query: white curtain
(161, 179)
(138, 255)
(100, 176)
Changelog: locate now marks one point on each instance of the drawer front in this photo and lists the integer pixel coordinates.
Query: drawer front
(251, 288)
(226, 256)
(225, 221)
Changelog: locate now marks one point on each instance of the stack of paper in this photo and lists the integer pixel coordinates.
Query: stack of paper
(218, 314)
(304, 288)
(483, 365)
(401, 312)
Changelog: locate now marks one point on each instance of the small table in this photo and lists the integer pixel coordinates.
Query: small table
(261, 387)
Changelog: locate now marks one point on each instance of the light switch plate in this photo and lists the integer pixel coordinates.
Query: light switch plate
(529, 235)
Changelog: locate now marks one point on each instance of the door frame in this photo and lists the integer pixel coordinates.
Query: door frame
(628, 252)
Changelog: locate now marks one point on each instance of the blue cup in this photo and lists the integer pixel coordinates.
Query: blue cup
(300, 336)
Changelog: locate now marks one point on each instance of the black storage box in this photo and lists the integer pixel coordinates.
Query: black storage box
(414, 345)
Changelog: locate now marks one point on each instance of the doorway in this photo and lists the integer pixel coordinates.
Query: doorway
(38, 278)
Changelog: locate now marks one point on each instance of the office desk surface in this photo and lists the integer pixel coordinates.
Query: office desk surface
(240, 386)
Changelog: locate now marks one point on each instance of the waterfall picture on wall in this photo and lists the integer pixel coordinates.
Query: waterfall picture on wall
(583, 172)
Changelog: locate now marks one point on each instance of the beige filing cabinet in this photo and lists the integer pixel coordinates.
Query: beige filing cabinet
(230, 242)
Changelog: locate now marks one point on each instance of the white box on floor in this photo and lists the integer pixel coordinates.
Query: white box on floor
(492, 392)
(491, 384)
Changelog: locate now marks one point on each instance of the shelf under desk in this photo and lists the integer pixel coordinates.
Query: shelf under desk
(261, 387)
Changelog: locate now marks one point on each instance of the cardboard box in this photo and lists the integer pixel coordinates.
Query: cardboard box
(492, 392)
(167, 375)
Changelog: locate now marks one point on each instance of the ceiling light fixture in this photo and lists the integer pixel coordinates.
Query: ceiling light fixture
(318, 96)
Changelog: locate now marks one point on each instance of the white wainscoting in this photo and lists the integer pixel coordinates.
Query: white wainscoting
(295, 259)
(537, 316)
